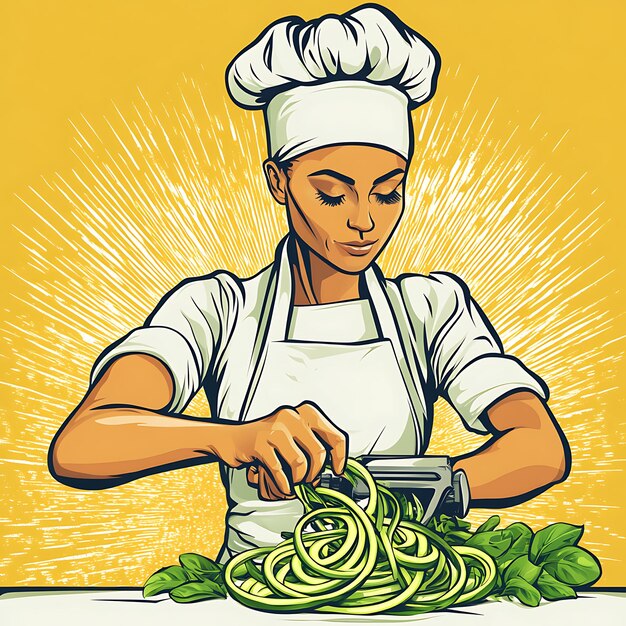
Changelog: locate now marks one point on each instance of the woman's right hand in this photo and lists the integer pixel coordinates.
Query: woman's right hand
(287, 447)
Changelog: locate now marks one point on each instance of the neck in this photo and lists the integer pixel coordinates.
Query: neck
(318, 282)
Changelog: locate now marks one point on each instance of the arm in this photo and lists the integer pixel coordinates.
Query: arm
(493, 393)
(527, 453)
(119, 432)
(129, 424)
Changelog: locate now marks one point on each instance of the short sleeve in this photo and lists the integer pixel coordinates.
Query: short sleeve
(182, 331)
(466, 356)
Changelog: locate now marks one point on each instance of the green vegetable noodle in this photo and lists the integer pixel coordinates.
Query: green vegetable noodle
(343, 558)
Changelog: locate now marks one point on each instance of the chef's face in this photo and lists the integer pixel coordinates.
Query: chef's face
(343, 202)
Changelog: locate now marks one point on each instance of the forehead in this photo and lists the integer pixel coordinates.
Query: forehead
(359, 162)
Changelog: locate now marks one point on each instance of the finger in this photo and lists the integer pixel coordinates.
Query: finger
(267, 488)
(275, 470)
(253, 475)
(334, 438)
(338, 442)
(315, 451)
(263, 491)
(294, 457)
(272, 490)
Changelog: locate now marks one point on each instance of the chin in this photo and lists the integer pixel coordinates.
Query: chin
(351, 264)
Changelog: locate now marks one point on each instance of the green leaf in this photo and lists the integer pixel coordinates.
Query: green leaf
(573, 566)
(521, 536)
(461, 524)
(441, 523)
(552, 538)
(499, 583)
(494, 543)
(198, 590)
(452, 529)
(457, 537)
(523, 591)
(489, 525)
(165, 579)
(200, 566)
(521, 567)
(552, 589)
(446, 526)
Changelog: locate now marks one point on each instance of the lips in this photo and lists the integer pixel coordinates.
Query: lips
(357, 248)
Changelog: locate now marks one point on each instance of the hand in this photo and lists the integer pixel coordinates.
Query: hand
(289, 446)
(267, 490)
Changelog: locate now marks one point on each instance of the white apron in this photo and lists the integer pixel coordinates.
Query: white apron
(359, 386)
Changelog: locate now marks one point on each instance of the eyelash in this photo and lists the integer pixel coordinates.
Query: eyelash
(329, 200)
(391, 198)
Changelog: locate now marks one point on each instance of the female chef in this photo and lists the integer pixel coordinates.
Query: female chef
(318, 355)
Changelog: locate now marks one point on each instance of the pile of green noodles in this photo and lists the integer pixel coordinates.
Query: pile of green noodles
(343, 558)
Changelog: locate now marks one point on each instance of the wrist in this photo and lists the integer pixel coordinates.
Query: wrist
(222, 441)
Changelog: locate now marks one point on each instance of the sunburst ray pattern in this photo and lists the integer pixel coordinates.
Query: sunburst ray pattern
(160, 193)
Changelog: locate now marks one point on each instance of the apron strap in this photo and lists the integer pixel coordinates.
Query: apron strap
(395, 325)
(275, 306)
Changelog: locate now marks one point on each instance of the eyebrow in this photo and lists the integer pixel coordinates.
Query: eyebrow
(341, 177)
(388, 175)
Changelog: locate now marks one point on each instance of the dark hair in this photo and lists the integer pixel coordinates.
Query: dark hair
(285, 166)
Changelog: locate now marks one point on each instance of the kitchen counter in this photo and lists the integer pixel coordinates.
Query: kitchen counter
(119, 607)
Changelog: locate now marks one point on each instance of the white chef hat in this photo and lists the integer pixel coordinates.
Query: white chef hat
(337, 79)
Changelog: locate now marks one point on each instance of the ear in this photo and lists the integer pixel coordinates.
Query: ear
(275, 181)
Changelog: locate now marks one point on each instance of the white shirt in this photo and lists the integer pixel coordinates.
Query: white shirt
(210, 332)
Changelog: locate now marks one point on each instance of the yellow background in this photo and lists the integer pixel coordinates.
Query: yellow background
(69, 62)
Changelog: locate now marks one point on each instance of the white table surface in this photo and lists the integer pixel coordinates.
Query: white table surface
(121, 608)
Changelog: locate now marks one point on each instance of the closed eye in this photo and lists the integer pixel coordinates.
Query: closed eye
(330, 200)
(390, 198)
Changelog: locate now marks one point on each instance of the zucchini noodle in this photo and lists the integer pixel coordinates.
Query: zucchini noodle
(343, 558)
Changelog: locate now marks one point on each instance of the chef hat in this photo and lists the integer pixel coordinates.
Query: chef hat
(337, 79)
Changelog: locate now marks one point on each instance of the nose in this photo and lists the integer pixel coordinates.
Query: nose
(360, 218)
